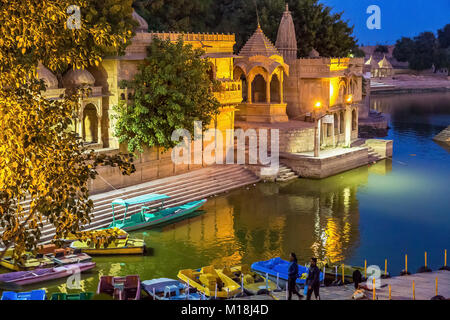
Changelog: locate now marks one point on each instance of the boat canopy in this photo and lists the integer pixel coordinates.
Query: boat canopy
(139, 200)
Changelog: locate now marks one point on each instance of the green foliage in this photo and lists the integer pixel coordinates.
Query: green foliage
(172, 89)
(315, 25)
(444, 37)
(404, 49)
(44, 168)
(425, 46)
(425, 50)
(357, 52)
(381, 49)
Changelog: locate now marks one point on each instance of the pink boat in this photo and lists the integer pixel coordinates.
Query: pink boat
(46, 274)
(120, 288)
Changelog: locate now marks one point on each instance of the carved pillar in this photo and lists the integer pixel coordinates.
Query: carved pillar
(249, 89)
(268, 89)
(281, 87)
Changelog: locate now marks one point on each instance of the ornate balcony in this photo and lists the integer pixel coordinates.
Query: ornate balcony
(229, 92)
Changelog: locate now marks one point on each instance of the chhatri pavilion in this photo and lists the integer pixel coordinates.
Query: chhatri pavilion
(264, 86)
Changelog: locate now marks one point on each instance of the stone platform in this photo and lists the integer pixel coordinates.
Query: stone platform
(329, 163)
(401, 289)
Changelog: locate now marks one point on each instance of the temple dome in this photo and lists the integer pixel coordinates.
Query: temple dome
(286, 39)
(258, 45)
(74, 78)
(372, 63)
(49, 78)
(143, 25)
(384, 63)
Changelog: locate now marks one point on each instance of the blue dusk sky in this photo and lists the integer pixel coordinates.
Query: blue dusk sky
(398, 18)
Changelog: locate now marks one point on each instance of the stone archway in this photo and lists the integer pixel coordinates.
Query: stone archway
(275, 95)
(90, 124)
(259, 89)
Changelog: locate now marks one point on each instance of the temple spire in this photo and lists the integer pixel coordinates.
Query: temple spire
(286, 39)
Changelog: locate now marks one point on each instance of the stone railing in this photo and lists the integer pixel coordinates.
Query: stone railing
(230, 92)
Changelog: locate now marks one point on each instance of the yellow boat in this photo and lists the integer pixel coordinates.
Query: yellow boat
(210, 282)
(47, 256)
(253, 282)
(119, 246)
(29, 263)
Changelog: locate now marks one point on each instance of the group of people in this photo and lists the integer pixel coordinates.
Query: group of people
(312, 281)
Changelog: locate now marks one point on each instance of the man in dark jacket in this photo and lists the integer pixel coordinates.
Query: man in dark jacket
(293, 275)
(313, 280)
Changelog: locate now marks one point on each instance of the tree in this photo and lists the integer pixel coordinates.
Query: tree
(177, 15)
(172, 89)
(315, 25)
(404, 49)
(43, 164)
(425, 46)
(357, 52)
(381, 49)
(444, 37)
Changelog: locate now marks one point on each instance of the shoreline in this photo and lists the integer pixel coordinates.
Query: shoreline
(393, 91)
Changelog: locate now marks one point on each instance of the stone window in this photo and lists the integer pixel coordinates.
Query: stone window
(90, 124)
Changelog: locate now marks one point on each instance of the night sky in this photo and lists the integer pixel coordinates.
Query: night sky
(398, 18)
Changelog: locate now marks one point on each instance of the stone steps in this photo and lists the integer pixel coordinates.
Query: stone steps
(183, 188)
(286, 174)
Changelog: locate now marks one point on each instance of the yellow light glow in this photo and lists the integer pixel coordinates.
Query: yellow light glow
(318, 105)
(349, 98)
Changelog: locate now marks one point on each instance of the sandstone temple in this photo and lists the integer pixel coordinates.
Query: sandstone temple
(265, 85)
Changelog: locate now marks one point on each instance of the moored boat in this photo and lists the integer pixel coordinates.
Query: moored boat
(151, 216)
(122, 245)
(48, 256)
(73, 296)
(40, 275)
(169, 289)
(278, 268)
(210, 282)
(32, 295)
(120, 288)
(253, 282)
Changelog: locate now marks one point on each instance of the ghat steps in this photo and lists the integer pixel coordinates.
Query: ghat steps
(286, 174)
(195, 185)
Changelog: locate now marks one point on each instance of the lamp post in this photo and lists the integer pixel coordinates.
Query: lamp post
(317, 107)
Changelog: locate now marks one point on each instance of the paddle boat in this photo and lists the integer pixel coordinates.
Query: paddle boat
(32, 295)
(151, 216)
(73, 296)
(120, 288)
(169, 289)
(253, 282)
(122, 245)
(277, 268)
(210, 282)
(48, 256)
(22, 278)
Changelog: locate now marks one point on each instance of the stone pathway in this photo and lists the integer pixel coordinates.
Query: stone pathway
(401, 289)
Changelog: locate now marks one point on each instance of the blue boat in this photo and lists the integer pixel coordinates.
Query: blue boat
(278, 268)
(33, 295)
(169, 289)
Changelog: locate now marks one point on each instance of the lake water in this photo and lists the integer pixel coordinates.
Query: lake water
(396, 207)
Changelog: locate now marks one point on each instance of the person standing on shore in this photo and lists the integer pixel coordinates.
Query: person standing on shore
(313, 280)
(293, 275)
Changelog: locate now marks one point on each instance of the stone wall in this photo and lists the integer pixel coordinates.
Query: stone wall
(319, 168)
(384, 148)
